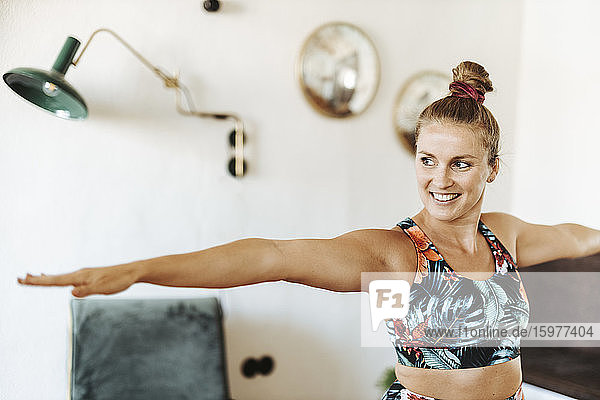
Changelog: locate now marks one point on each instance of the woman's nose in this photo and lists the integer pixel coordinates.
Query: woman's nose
(441, 178)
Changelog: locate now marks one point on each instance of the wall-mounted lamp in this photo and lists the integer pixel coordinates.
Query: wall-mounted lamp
(50, 91)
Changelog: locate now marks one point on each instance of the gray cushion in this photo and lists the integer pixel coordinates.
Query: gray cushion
(147, 349)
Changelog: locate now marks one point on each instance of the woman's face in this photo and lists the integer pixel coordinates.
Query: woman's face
(451, 163)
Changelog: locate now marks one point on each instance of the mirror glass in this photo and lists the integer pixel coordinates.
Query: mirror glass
(418, 92)
(339, 70)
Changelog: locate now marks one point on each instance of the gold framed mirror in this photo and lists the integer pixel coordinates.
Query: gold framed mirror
(338, 70)
(418, 92)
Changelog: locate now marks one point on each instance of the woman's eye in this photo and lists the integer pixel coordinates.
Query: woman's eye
(426, 161)
(459, 164)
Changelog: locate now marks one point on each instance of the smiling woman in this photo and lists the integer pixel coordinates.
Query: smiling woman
(445, 248)
(457, 141)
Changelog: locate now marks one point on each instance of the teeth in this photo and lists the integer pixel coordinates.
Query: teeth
(444, 197)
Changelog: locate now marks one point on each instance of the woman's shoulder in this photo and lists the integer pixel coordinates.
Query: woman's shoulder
(398, 249)
(504, 226)
(386, 239)
(501, 221)
(391, 245)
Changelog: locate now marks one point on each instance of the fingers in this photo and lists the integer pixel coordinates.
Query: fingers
(81, 291)
(73, 278)
(87, 281)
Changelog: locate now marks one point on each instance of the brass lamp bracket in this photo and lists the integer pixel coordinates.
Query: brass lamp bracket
(236, 164)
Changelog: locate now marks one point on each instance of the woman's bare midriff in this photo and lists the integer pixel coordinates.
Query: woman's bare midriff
(493, 382)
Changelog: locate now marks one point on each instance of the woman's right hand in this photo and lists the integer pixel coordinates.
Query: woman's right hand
(87, 281)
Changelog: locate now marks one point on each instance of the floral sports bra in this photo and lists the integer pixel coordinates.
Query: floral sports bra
(456, 322)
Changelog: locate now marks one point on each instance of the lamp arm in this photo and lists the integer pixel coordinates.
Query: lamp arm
(173, 82)
(238, 125)
(169, 81)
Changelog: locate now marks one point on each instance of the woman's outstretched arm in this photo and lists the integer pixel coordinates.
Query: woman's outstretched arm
(333, 264)
(537, 243)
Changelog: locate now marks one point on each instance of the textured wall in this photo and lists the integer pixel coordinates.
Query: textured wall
(137, 180)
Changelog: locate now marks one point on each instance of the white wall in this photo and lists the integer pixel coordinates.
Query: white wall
(137, 180)
(558, 138)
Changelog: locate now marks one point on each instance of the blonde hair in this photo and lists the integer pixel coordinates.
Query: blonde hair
(466, 111)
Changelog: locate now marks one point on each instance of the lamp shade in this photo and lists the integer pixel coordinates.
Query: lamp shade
(49, 89)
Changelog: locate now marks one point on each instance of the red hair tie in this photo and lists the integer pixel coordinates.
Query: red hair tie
(466, 91)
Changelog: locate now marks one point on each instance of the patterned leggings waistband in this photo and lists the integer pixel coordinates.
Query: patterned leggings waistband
(399, 392)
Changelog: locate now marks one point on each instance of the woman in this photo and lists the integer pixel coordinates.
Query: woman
(457, 155)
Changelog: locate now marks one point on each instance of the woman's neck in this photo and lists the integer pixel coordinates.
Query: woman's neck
(459, 234)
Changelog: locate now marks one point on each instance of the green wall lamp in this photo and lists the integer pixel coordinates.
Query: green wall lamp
(51, 91)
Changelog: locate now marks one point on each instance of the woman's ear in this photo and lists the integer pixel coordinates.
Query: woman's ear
(494, 172)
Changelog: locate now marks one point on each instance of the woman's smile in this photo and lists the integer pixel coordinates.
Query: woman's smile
(444, 198)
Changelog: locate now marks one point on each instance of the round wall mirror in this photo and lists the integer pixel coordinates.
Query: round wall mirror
(418, 92)
(338, 70)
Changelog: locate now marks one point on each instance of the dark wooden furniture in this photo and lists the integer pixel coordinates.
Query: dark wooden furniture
(573, 371)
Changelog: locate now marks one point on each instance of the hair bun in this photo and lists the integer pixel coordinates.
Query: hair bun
(473, 75)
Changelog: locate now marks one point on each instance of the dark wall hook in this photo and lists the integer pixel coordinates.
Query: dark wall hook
(211, 5)
(252, 366)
